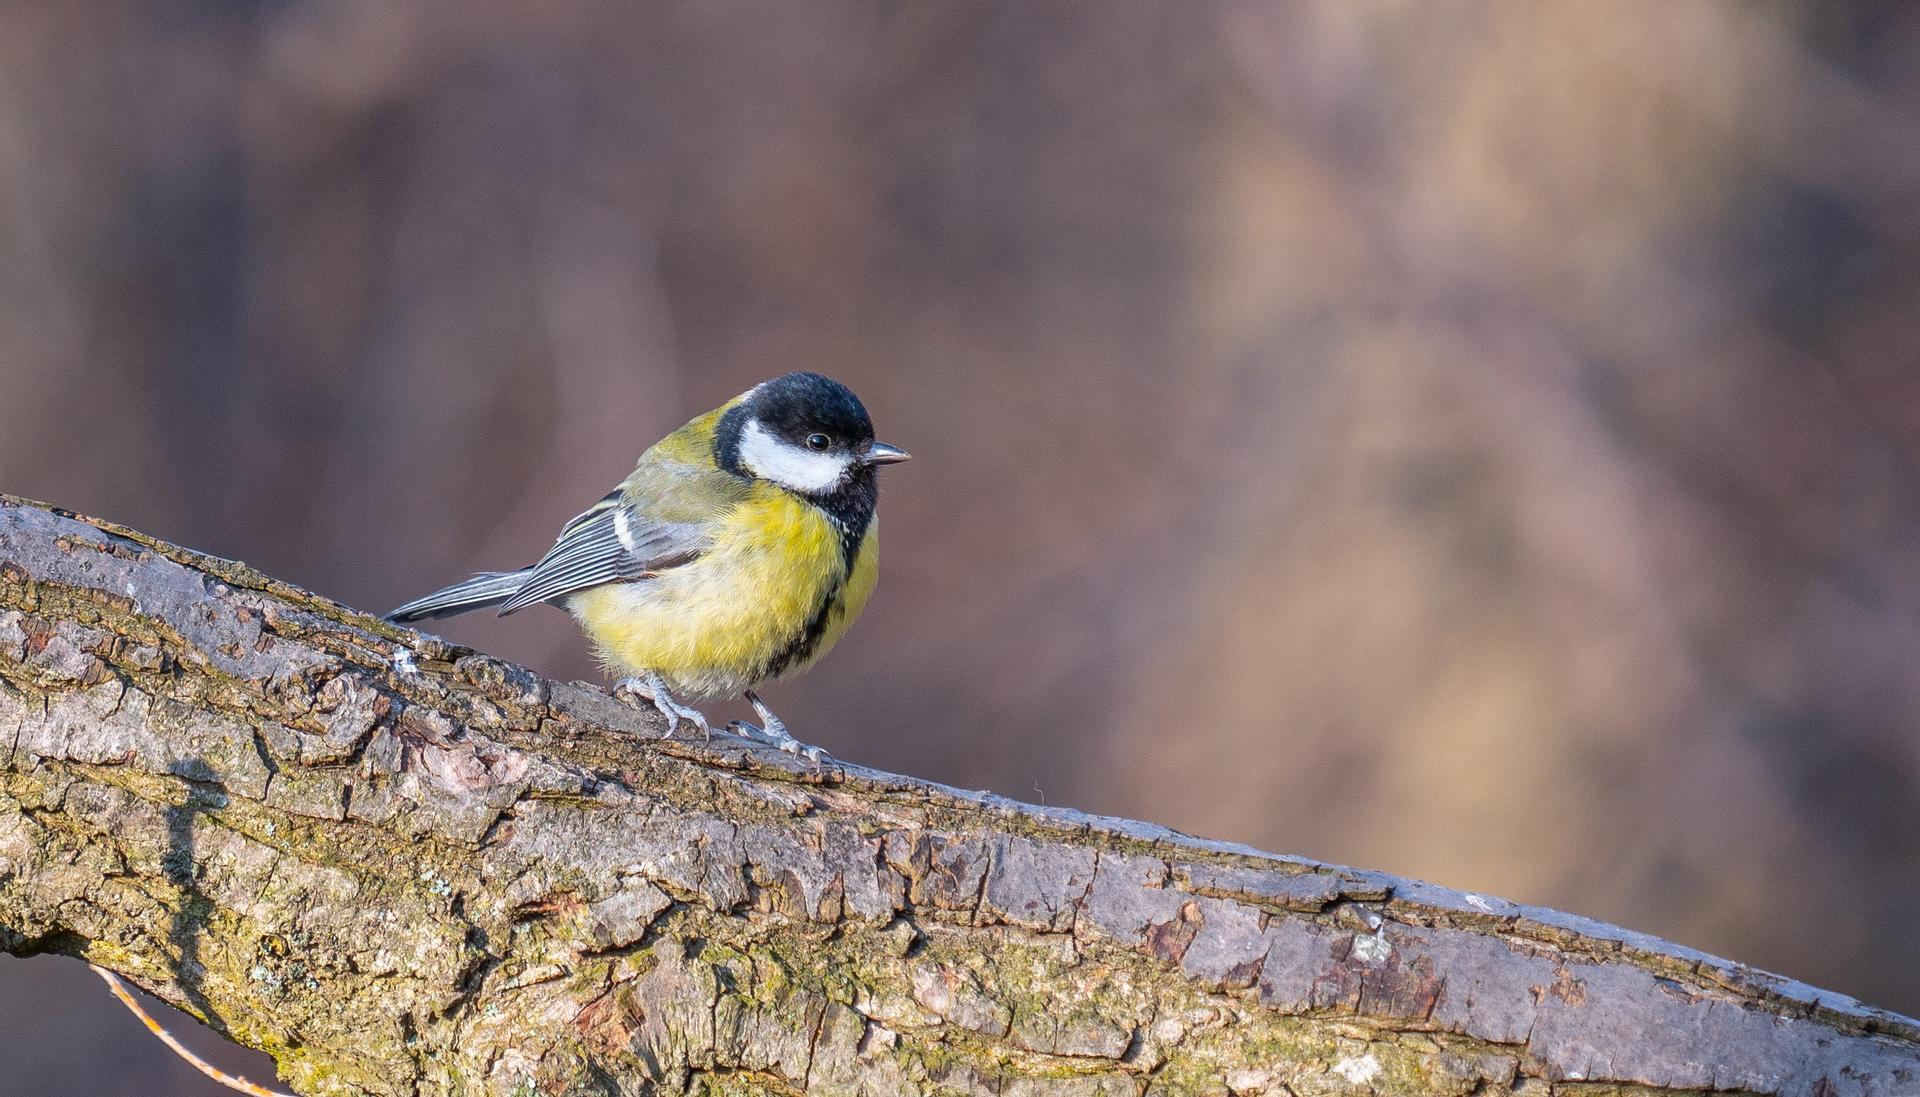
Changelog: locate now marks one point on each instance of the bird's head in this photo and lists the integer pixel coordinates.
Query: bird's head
(807, 433)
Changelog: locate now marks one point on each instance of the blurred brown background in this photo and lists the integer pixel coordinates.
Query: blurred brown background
(1480, 442)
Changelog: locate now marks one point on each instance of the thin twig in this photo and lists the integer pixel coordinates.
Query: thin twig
(120, 991)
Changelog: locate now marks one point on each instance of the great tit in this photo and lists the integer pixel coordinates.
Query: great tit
(739, 551)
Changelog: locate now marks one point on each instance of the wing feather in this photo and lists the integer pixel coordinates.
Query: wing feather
(609, 542)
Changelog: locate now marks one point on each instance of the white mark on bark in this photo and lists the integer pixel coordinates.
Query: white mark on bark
(1248, 1080)
(1358, 1071)
(1372, 948)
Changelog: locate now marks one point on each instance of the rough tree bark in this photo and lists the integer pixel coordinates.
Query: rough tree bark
(401, 867)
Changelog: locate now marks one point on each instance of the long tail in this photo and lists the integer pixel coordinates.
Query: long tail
(489, 588)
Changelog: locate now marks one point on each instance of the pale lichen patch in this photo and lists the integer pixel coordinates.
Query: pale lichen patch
(402, 661)
(1359, 1069)
(1372, 948)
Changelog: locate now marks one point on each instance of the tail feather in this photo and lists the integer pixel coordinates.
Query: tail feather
(489, 588)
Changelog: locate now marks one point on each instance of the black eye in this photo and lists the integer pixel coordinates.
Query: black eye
(818, 442)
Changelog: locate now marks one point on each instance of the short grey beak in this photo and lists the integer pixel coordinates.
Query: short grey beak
(882, 454)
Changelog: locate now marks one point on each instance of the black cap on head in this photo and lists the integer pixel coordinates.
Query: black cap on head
(799, 404)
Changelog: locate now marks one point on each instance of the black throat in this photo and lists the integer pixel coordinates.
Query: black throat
(850, 506)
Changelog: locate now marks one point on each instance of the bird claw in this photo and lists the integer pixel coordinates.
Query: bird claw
(651, 689)
(776, 736)
(773, 731)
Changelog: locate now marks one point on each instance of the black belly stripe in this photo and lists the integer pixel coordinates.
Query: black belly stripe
(808, 638)
(850, 508)
(803, 644)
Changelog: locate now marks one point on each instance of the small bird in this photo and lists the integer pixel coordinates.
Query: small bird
(739, 551)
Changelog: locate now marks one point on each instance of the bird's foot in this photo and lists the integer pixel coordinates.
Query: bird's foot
(777, 738)
(649, 688)
(773, 732)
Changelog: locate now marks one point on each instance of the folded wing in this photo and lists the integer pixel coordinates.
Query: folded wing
(610, 542)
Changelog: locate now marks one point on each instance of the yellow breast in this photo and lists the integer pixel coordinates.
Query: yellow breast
(770, 595)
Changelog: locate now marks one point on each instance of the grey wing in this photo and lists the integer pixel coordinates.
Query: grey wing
(609, 542)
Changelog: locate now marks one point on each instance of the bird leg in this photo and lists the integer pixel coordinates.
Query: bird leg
(650, 688)
(773, 731)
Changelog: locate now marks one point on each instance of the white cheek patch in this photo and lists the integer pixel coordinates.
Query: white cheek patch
(789, 465)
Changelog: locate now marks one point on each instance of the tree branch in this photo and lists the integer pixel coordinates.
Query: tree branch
(401, 867)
